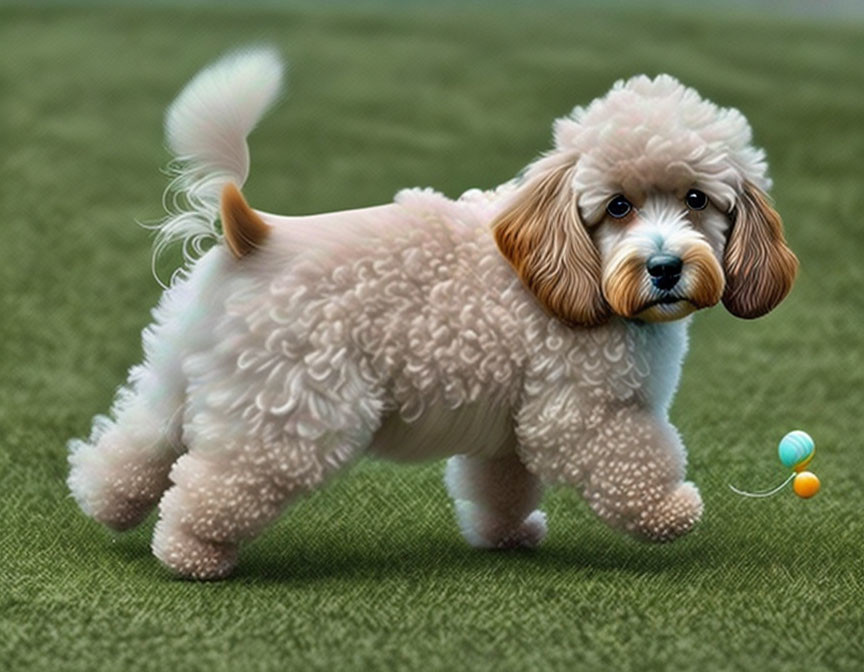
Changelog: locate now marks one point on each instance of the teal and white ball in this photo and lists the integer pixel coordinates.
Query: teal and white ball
(796, 449)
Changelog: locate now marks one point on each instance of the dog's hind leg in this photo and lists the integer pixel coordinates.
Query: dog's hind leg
(240, 476)
(496, 501)
(119, 473)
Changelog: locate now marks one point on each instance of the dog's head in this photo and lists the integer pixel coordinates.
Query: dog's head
(652, 205)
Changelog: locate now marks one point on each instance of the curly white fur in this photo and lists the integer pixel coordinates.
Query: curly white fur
(402, 331)
(656, 133)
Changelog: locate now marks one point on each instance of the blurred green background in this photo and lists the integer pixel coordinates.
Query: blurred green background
(371, 573)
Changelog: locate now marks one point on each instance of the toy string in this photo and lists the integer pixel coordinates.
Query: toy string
(767, 493)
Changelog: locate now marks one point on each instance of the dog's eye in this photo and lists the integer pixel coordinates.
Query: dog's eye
(696, 200)
(618, 207)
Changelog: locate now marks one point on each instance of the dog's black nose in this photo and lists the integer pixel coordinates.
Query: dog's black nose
(665, 270)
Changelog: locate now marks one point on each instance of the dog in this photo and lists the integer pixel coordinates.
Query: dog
(533, 333)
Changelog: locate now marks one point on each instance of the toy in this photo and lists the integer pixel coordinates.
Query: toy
(796, 450)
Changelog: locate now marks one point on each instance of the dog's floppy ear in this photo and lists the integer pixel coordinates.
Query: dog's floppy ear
(541, 235)
(760, 267)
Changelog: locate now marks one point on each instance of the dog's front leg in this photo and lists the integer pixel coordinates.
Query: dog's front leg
(636, 481)
(628, 460)
(496, 501)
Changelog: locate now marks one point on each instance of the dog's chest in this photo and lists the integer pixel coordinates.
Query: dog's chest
(481, 428)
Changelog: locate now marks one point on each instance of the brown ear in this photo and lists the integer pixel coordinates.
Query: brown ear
(542, 237)
(760, 267)
(244, 230)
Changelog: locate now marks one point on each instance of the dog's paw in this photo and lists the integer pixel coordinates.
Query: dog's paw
(192, 557)
(529, 534)
(482, 529)
(117, 492)
(671, 517)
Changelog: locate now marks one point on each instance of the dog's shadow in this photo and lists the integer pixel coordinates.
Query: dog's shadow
(303, 560)
(333, 559)
(285, 558)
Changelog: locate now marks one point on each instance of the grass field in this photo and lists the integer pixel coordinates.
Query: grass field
(371, 573)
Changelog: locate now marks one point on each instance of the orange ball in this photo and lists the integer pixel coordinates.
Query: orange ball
(806, 484)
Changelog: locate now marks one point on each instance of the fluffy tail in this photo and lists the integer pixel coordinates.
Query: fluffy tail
(206, 129)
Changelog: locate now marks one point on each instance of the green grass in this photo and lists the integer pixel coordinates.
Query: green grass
(370, 573)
